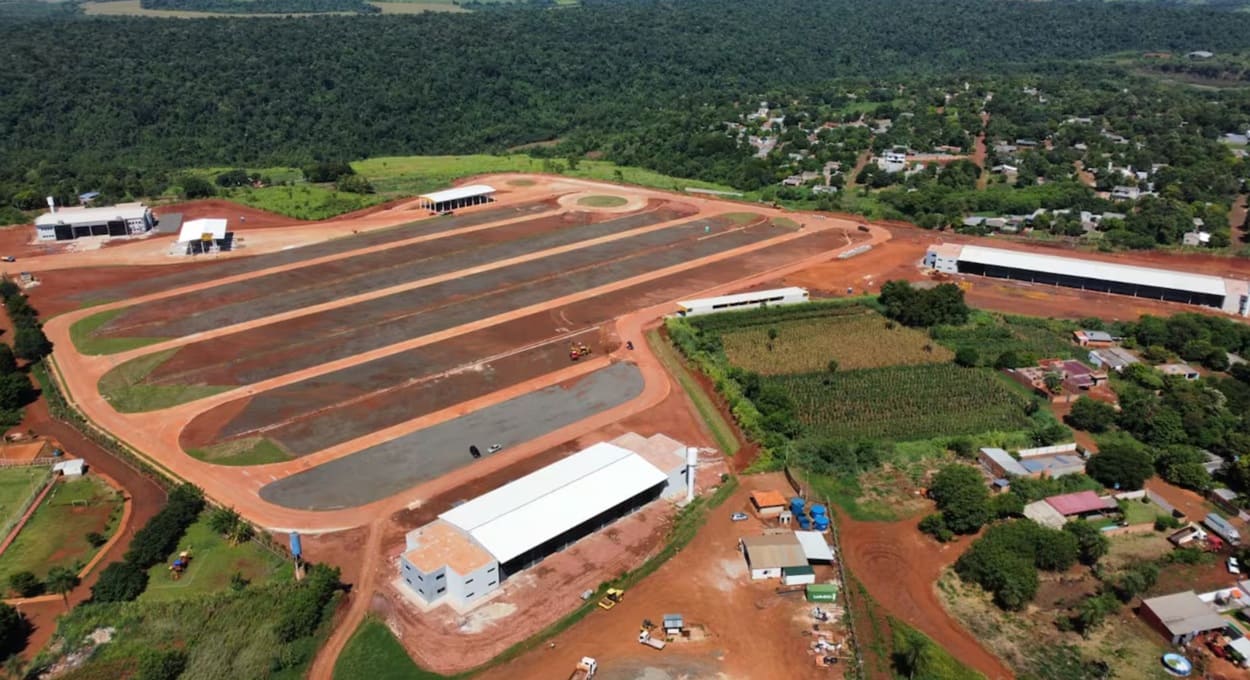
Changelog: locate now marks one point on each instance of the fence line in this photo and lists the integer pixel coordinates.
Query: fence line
(33, 462)
(8, 526)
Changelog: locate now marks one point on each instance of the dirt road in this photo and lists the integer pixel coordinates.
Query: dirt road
(900, 567)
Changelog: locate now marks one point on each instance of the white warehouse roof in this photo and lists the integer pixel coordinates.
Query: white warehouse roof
(1094, 269)
(194, 230)
(741, 298)
(75, 215)
(458, 193)
(526, 512)
(814, 546)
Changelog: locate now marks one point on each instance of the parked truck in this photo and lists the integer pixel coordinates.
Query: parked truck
(1220, 527)
(645, 638)
(586, 669)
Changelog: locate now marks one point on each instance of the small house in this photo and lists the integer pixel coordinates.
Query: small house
(1125, 193)
(798, 576)
(1225, 498)
(767, 555)
(674, 624)
(75, 467)
(1181, 617)
(768, 503)
(1114, 358)
(1000, 464)
(1183, 370)
(1087, 338)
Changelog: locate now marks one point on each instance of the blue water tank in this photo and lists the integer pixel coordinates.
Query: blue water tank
(820, 522)
(804, 522)
(818, 509)
(296, 548)
(796, 505)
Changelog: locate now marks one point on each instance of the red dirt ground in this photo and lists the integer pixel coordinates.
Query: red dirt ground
(876, 551)
(751, 632)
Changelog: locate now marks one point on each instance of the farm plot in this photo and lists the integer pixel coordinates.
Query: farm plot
(165, 280)
(368, 397)
(18, 485)
(992, 334)
(56, 534)
(854, 337)
(284, 291)
(904, 403)
(269, 351)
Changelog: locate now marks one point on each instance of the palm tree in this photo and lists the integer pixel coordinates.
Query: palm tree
(61, 581)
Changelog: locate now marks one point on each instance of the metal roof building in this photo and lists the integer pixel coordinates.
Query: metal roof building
(65, 224)
(457, 197)
(1000, 463)
(1080, 502)
(740, 301)
(767, 555)
(1182, 616)
(1229, 295)
(523, 514)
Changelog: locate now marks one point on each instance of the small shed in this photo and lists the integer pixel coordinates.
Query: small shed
(814, 546)
(822, 592)
(674, 624)
(767, 555)
(798, 576)
(1225, 498)
(768, 503)
(75, 467)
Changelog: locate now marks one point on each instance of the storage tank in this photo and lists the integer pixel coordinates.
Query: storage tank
(804, 522)
(818, 510)
(296, 548)
(796, 506)
(820, 523)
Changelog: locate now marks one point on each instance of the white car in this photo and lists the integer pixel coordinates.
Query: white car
(1234, 567)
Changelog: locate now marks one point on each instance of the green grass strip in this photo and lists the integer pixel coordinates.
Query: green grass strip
(246, 451)
(82, 334)
(722, 430)
(122, 389)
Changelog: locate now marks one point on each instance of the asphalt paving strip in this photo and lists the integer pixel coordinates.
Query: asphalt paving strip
(390, 468)
(254, 263)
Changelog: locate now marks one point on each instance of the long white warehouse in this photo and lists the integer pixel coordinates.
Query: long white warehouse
(1228, 295)
(66, 224)
(458, 197)
(740, 301)
(468, 551)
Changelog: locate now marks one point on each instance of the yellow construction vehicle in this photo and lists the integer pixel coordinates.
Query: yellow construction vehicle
(611, 598)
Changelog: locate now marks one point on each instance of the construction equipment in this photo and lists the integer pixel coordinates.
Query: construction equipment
(645, 638)
(577, 350)
(611, 598)
(585, 670)
(647, 626)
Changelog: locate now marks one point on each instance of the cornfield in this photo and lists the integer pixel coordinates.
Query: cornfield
(904, 402)
(861, 340)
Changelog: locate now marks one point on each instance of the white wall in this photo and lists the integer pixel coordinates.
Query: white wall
(758, 574)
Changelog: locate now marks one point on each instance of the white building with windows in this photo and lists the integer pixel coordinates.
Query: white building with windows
(741, 301)
(67, 224)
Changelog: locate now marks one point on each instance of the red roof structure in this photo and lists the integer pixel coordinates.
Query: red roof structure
(1080, 503)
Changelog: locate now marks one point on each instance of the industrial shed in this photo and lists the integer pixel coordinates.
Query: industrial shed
(67, 224)
(1181, 616)
(741, 301)
(473, 547)
(1229, 295)
(204, 235)
(459, 197)
(767, 556)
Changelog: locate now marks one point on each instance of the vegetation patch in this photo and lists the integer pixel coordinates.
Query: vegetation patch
(18, 486)
(602, 201)
(903, 403)
(855, 339)
(784, 223)
(918, 656)
(217, 565)
(122, 386)
(245, 451)
(722, 430)
(82, 334)
(373, 652)
(992, 335)
(303, 201)
(57, 533)
(741, 217)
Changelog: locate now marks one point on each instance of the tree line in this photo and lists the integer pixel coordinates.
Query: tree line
(262, 6)
(115, 104)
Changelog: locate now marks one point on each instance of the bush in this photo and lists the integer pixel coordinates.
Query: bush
(161, 664)
(1091, 415)
(303, 610)
(119, 582)
(935, 526)
(967, 356)
(96, 539)
(1005, 560)
(194, 187)
(1121, 464)
(1165, 522)
(160, 535)
(941, 305)
(961, 495)
(14, 630)
(25, 584)
(1092, 544)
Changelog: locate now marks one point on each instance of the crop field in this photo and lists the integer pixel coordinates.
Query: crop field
(992, 334)
(856, 340)
(905, 402)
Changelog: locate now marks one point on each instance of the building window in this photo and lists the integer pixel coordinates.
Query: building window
(490, 570)
(468, 581)
(440, 591)
(409, 581)
(469, 595)
(441, 576)
(491, 584)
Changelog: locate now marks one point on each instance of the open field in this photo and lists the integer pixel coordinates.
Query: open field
(55, 535)
(905, 403)
(213, 562)
(18, 484)
(373, 652)
(855, 339)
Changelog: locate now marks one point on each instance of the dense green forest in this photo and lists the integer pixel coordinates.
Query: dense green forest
(262, 6)
(113, 104)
